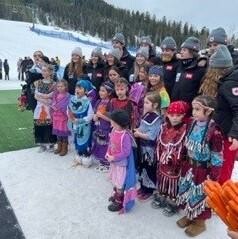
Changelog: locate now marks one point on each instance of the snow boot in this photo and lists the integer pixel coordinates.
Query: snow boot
(59, 147)
(184, 222)
(117, 205)
(112, 198)
(64, 149)
(196, 228)
(170, 208)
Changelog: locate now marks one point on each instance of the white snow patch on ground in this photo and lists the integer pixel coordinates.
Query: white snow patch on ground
(10, 84)
(53, 201)
(18, 41)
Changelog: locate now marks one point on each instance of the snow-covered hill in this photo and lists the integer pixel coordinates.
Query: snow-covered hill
(16, 40)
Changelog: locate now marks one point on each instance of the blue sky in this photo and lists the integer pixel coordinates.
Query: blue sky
(199, 13)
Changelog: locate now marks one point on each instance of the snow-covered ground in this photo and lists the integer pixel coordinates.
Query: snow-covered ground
(16, 40)
(53, 201)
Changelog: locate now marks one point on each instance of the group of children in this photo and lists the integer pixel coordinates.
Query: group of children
(132, 129)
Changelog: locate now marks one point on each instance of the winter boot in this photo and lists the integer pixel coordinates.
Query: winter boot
(59, 147)
(196, 227)
(64, 149)
(170, 208)
(184, 222)
(117, 205)
(112, 198)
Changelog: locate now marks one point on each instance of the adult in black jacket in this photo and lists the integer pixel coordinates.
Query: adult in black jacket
(113, 59)
(33, 75)
(96, 68)
(170, 63)
(221, 82)
(219, 37)
(74, 69)
(190, 74)
(126, 59)
(153, 59)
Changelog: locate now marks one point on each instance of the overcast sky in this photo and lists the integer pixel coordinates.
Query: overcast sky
(199, 13)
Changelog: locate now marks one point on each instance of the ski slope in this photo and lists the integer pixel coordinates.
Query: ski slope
(16, 40)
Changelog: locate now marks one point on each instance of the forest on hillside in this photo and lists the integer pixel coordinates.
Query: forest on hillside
(98, 18)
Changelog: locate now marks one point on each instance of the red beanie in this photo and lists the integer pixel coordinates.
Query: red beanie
(178, 107)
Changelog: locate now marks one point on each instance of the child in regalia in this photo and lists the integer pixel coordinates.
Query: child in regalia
(204, 144)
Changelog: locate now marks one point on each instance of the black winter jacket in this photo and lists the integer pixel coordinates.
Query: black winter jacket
(127, 60)
(226, 114)
(187, 83)
(96, 74)
(71, 79)
(170, 71)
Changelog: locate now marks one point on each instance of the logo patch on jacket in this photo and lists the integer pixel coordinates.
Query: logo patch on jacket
(99, 74)
(177, 77)
(169, 67)
(189, 76)
(235, 91)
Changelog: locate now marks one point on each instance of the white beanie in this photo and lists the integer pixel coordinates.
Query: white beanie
(77, 51)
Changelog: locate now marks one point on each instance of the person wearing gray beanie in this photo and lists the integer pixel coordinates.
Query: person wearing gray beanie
(127, 60)
(116, 53)
(143, 51)
(145, 41)
(192, 43)
(119, 37)
(218, 36)
(190, 74)
(170, 62)
(95, 68)
(221, 58)
(168, 43)
(97, 52)
(77, 51)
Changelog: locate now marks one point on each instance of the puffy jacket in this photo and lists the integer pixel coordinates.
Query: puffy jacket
(226, 114)
(187, 83)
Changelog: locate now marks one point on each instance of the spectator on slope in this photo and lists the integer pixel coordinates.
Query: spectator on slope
(23, 68)
(170, 62)
(189, 76)
(113, 59)
(118, 41)
(0, 69)
(19, 68)
(96, 68)
(221, 83)
(74, 69)
(57, 60)
(29, 63)
(6, 69)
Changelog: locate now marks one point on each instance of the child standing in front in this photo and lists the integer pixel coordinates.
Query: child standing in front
(44, 90)
(122, 169)
(204, 144)
(171, 153)
(147, 134)
(80, 113)
(60, 119)
(102, 126)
